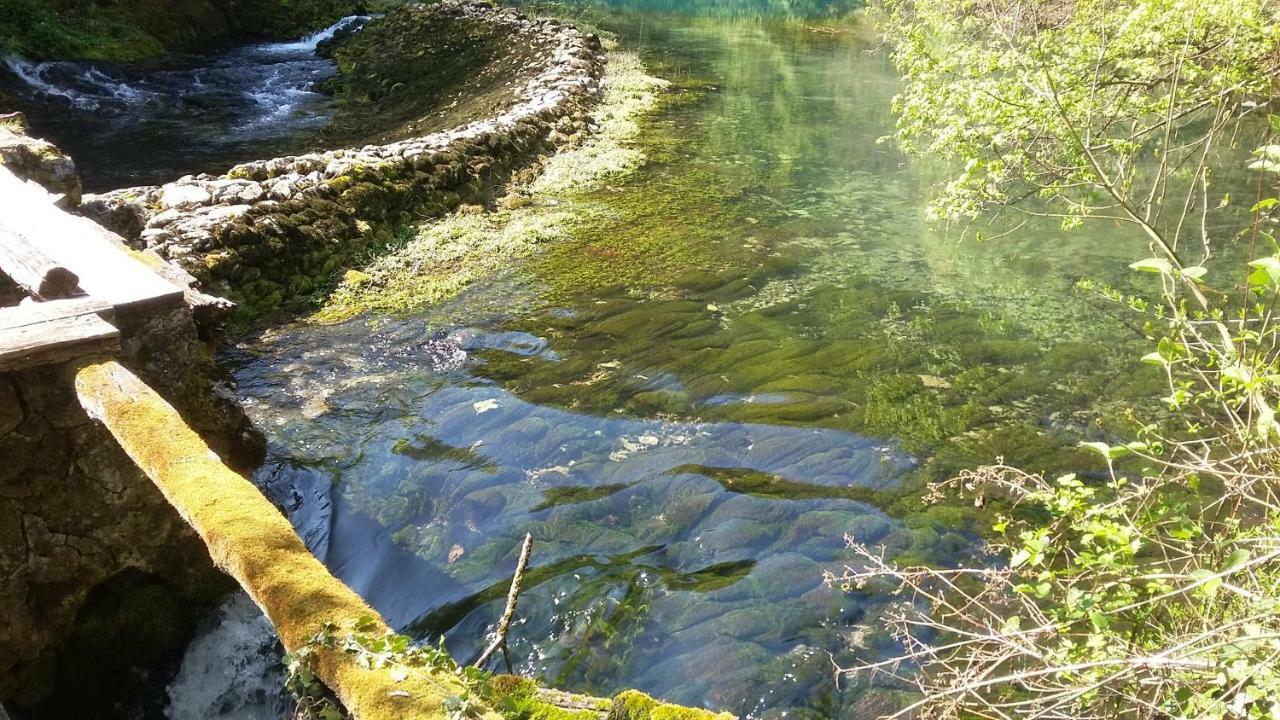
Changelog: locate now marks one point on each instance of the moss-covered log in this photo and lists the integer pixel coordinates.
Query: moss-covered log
(253, 542)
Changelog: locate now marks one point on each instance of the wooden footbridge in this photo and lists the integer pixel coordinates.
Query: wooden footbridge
(76, 276)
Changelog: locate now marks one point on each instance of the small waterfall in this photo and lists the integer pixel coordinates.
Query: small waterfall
(138, 125)
(276, 78)
(233, 670)
(309, 43)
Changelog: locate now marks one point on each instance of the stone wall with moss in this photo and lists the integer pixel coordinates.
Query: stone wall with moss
(279, 233)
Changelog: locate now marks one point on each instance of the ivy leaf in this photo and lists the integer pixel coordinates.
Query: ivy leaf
(1019, 558)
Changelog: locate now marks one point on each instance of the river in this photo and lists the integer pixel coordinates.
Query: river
(688, 402)
(142, 125)
(756, 347)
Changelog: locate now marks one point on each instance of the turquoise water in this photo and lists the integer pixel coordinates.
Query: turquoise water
(752, 349)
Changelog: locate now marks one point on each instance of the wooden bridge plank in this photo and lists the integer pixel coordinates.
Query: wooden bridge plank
(106, 271)
(57, 340)
(36, 313)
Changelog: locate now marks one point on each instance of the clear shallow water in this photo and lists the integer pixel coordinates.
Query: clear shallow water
(750, 350)
(133, 125)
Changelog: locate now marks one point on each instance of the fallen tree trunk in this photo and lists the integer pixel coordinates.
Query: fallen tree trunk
(252, 541)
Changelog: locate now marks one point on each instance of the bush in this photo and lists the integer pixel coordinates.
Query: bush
(1155, 592)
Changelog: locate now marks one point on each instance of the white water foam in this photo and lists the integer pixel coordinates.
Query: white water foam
(32, 74)
(233, 670)
(309, 43)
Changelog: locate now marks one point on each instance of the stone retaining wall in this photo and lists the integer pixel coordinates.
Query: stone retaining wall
(277, 233)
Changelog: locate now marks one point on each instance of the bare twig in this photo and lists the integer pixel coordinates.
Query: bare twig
(513, 596)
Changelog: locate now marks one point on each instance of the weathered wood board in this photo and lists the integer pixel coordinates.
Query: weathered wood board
(36, 272)
(35, 313)
(106, 272)
(56, 340)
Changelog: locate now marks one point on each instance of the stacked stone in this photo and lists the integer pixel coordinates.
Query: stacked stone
(270, 232)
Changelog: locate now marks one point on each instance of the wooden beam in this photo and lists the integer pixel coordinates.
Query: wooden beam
(56, 341)
(39, 275)
(254, 543)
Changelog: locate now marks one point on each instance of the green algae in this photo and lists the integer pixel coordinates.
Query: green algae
(570, 495)
(776, 487)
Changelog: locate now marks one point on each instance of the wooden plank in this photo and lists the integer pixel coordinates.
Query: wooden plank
(56, 341)
(35, 313)
(106, 271)
(33, 270)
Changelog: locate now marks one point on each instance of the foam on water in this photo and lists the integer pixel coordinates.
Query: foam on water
(233, 670)
(309, 43)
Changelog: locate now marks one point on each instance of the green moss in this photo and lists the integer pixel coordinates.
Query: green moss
(447, 255)
(635, 705)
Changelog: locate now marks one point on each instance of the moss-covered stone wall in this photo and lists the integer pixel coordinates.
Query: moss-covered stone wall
(279, 233)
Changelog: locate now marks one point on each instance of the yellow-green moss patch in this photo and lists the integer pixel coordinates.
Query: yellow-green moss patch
(635, 705)
(445, 256)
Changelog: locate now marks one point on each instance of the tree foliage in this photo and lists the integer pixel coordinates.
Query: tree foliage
(1154, 590)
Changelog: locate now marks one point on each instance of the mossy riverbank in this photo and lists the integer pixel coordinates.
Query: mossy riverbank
(434, 261)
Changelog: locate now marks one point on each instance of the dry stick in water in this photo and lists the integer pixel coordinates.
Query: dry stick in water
(513, 595)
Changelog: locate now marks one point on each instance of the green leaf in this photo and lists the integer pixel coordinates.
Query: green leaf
(1155, 359)
(1266, 204)
(1100, 621)
(1237, 559)
(1019, 558)
(1153, 265)
(1266, 272)
(1101, 448)
(1210, 583)
(1195, 272)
